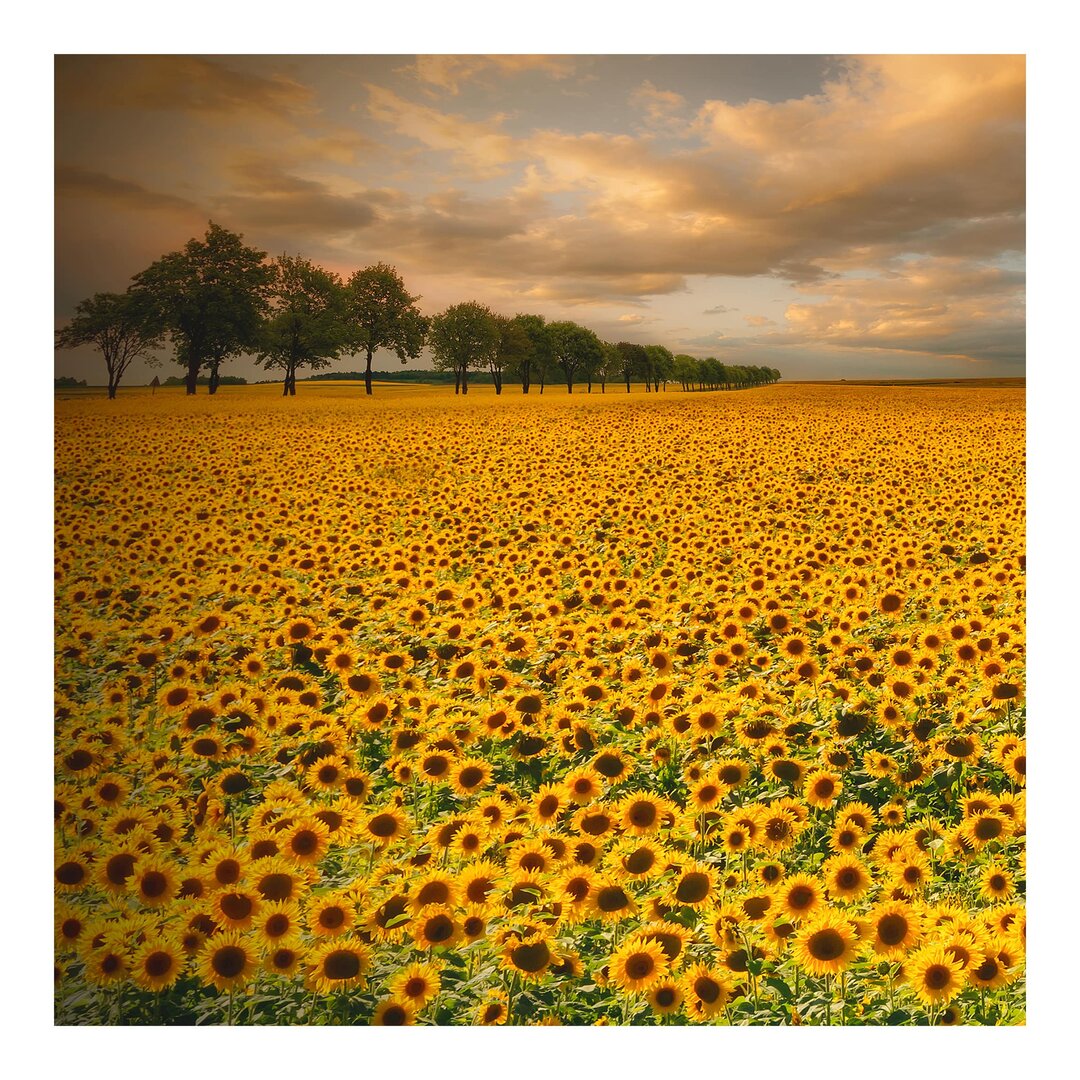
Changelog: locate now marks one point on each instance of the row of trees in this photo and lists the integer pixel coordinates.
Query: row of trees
(217, 298)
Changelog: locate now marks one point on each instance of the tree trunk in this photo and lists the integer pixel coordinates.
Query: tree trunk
(367, 374)
(498, 383)
(112, 387)
(569, 386)
(542, 378)
(192, 376)
(603, 384)
(525, 379)
(464, 380)
(457, 380)
(215, 378)
(628, 382)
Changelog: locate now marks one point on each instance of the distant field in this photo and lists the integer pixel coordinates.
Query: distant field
(349, 387)
(1020, 381)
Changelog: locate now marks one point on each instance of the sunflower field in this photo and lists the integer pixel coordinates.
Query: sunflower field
(605, 709)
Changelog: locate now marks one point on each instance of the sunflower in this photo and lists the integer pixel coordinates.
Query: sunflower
(822, 788)
(985, 828)
(666, 996)
(338, 964)
(117, 866)
(74, 869)
(227, 961)
(611, 902)
(637, 964)
(278, 923)
(330, 914)
(284, 959)
(636, 859)
(393, 1013)
(155, 881)
(934, 974)
(492, 1011)
(385, 826)
(529, 956)
(105, 966)
(779, 828)
(235, 909)
(583, 785)
(891, 929)
(434, 927)
(277, 878)
(996, 884)
(694, 885)
(437, 889)
(612, 764)
(826, 944)
(157, 964)
(707, 991)
(800, 895)
(326, 773)
(989, 972)
(470, 776)
(548, 803)
(911, 872)
(417, 984)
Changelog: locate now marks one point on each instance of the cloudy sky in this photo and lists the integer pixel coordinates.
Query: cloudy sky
(831, 216)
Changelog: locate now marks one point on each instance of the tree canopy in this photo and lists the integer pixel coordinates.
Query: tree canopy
(210, 298)
(464, 336)
(576, 349)
(306, 324)
(382, 315)
(118, 326)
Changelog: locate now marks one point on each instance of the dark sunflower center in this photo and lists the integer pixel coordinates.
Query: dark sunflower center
(531, 957)
(825, 944)
(640, 966)
(341, 964)
(228, 961)
(158, 964)
(611, 898)
(892, 929)
(693, 888)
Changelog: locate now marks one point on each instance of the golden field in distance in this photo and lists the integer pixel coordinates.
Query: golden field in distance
(651, 708)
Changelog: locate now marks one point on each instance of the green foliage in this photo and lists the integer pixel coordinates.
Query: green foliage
(464, 336)
(119, 326)
(381, 314)
(306, 327)
(209, 298)
(576, 350)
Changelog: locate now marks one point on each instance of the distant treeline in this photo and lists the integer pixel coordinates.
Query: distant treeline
(217, 298)
(66, 382)
(204, 380)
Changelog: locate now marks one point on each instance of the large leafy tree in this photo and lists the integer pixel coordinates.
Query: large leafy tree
(210, 298)
(634, 360)
(464, 336)
(535, 362)
(576, 349)
(660, 366)
(117, 325)
(306, 325)
(514, 349)
(382, 315)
